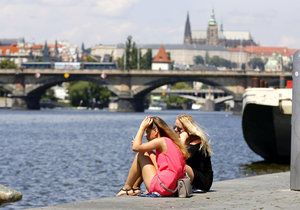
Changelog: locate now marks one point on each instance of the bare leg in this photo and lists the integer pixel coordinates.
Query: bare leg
(190, 172)
(152, 156)
(142, 164)
(147, 167)
(134, 174)
(139, 181)
(137, 184)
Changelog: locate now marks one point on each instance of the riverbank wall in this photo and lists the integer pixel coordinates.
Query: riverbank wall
(271, 191)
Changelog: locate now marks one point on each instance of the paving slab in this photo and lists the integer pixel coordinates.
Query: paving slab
(271, 191)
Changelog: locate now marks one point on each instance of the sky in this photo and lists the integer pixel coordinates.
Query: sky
(92, 22)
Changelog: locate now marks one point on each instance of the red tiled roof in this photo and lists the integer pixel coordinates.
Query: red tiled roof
(268, 51)
(12, 49)
(161, 56)
(37, 47)
(53, 45)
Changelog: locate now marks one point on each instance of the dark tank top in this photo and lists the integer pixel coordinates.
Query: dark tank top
(202, 168)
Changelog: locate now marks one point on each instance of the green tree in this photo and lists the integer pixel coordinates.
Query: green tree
(7, 64)
(198, 60)
(49, 95)
(146, 60)
(257, 63)
(181, 86)
(221, 62)
(133, 57)
(176, 102)
(129, 59)
(88, 94)
(91, 59)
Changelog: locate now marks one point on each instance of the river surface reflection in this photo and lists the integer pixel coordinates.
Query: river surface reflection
(59, 156)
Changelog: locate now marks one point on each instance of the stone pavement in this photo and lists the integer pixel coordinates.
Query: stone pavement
(270, 191)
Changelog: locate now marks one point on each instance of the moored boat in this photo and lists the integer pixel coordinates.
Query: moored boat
(266, 122)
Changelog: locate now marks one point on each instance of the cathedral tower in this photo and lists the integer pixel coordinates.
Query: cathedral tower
(187, 31)
(212, 30)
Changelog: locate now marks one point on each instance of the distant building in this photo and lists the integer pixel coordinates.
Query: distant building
(19, 51)
(162, 60)
(8, 42)
(216, 36)
(13, 50)
(275, 58)
(181, 54)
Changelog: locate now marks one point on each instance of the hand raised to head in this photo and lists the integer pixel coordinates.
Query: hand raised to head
(146, 122)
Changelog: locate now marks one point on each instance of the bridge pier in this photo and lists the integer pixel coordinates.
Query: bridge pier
(238, 104)
(18, 102)
(128, 104)
(209, 105)
(25, 102)
(33, 102)
(18, 95)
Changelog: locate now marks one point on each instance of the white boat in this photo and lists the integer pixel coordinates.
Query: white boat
(266, 122)
(155, 108)
(196, 106)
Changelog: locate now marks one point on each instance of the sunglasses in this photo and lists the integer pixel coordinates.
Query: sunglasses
(176, 128)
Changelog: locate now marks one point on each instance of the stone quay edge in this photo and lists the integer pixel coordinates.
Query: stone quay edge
(271, 191)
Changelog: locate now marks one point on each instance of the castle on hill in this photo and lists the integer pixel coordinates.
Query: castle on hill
(237, 47)
(216, 36)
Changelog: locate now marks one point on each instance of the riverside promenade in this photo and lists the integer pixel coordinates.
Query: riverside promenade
(271, 191)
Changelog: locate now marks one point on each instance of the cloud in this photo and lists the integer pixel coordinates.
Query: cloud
(114, 7)
(76, 21)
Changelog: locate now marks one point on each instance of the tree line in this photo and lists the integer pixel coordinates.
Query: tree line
(217, 61)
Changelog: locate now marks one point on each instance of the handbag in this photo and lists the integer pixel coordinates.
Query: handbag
(184, 188)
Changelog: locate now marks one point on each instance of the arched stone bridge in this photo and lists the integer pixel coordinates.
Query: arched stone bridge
(27, 86)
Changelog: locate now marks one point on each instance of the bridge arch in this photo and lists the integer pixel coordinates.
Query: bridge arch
(139, 94)
(35, 92)
(148, 87)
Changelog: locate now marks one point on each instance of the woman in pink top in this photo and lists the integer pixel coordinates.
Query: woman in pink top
(159, 171)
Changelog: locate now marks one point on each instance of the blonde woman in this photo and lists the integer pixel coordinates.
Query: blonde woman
(161, 171)
(199, 166)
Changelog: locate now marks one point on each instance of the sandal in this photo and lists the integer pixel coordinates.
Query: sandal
(136, 191)
(124, 191)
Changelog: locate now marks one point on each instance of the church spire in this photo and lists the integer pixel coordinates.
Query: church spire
(187, 31)
(212, 21)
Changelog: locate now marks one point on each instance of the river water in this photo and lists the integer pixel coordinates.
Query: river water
(58, 156)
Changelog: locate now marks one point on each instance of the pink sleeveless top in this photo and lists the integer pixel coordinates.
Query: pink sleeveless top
(171, 167)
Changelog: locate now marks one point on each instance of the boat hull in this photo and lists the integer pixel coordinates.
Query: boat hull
(267, 131)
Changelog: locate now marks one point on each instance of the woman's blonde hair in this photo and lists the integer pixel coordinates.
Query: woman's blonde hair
(166, 131)
(192, 128)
